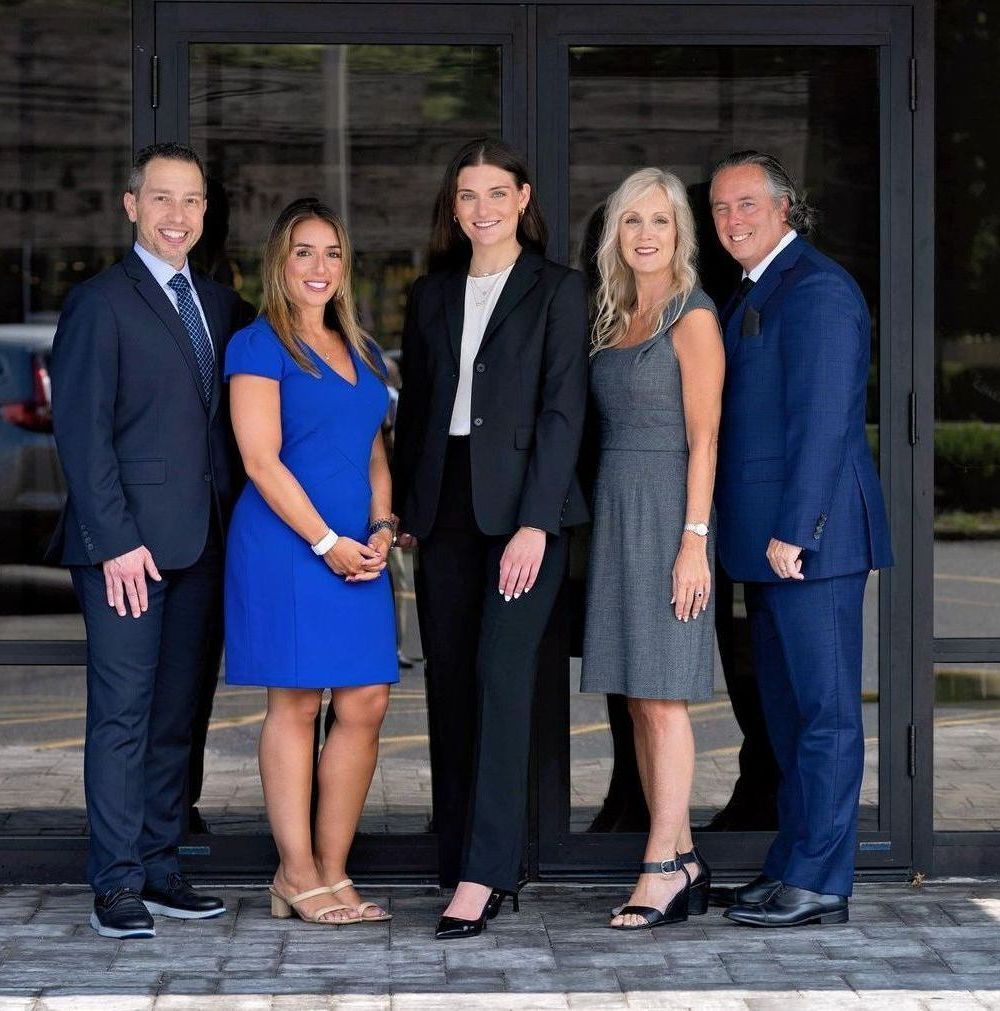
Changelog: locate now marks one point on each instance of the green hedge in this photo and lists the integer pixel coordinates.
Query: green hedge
(966, 465)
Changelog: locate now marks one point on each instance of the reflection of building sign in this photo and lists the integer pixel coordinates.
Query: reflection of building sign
(53, 201)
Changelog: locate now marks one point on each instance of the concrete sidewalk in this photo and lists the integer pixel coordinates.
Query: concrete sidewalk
(938, 946)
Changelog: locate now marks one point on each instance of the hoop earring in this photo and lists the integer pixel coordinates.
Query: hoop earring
(454, 218)
(520, 212)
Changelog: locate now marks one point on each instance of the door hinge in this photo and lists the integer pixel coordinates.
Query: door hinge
(154, 84)
(911, 749)
(913, 418)
(913, 84)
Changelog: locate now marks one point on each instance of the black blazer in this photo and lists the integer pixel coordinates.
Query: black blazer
(145, 459)
(529, 392)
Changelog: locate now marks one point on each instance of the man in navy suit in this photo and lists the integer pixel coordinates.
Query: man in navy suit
(145, 444)
(801, 522)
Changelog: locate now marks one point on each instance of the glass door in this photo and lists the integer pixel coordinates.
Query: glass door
(363, 105)
(679, 87)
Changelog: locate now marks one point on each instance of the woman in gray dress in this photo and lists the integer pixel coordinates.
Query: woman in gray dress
(656, 377)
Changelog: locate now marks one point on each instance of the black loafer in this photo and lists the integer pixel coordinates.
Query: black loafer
(759, 890)
(791, 907)
(121, 914)
(175, 897)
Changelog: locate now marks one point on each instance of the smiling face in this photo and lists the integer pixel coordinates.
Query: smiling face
(488, 204)
(315, 264)
(748, 220)
(169, 210)
(647, 233)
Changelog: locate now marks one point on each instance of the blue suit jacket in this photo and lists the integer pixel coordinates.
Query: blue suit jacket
(146, 459)
(794, 462)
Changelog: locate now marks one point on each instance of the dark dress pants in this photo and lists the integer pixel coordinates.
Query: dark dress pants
(481, 660)
(807, 639)
(143, 681)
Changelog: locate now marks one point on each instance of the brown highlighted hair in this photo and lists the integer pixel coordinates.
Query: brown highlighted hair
(277, 306)
(449, 246)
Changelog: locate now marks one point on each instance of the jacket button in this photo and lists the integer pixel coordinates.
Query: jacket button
(206, 476)
(480, 367)
(478, 422)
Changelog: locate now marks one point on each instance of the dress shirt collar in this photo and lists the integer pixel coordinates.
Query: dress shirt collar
(160, 269)
(758, 271)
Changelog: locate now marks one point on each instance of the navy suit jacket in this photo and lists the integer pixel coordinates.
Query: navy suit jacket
(146, 460)
(794, 462)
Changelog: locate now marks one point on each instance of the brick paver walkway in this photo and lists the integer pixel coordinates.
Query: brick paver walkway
(938, 946)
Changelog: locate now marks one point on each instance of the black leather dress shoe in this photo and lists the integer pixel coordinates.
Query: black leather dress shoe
(759, 890)
(175, 897)
(121, 914)
(791, 907)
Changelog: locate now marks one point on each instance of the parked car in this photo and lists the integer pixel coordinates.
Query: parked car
(32, 489)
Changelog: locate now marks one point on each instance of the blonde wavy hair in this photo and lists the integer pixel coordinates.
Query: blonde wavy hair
(277, 306)
(615, 301)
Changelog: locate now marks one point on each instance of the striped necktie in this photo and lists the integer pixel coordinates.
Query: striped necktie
(200, 341)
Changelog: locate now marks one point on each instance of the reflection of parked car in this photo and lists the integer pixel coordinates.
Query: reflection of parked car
(32, 490)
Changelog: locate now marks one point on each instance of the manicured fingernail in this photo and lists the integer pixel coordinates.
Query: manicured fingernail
(517, 596)
(527, 588)
(506, 597)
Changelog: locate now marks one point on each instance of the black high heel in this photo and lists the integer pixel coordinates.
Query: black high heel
(451, 927)
(495, 901)
(698, 899)
(676, 910)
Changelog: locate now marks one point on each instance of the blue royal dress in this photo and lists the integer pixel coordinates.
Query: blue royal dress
(291, 622)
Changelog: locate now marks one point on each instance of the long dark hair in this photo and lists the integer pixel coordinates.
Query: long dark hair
(449, 246)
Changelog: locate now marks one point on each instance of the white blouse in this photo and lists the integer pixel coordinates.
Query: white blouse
(481, 296)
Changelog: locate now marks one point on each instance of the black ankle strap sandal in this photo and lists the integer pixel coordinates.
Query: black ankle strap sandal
(676, 910)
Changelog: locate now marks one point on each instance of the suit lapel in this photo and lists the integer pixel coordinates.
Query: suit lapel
(216, 330)
(454, 308)
(763, 290)
(522, 279)
(156, 298)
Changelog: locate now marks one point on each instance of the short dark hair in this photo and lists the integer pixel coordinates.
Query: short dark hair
(167, 149)
(449, 246)
(801, 216)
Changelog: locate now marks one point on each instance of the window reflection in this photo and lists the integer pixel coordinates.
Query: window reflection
(65, 147)
(966, 747)
(967, 374)
(379, 126)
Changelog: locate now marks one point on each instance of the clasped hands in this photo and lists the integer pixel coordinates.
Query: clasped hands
(357, 562)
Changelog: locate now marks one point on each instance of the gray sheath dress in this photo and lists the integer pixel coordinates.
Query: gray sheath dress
(633, 643)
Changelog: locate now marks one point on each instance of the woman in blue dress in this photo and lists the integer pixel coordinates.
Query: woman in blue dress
(308, 602)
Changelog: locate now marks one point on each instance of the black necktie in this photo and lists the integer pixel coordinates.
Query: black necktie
(735, 302)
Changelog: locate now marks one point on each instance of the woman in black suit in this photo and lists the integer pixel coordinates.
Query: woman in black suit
(487, 433)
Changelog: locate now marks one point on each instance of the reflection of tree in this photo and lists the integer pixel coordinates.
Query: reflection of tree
(967, 166)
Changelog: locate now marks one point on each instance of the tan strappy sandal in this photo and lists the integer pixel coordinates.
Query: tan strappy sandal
(346, 883)
(283, 907)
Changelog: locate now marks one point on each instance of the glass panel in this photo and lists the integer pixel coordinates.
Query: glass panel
(65, 150)
(967, 374)
(373, 139)
(967, 747)
(682, 108)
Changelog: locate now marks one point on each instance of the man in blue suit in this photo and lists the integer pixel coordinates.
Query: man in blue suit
(801, 522)
(144, 440)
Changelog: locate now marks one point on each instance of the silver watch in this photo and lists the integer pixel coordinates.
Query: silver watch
(701, 529)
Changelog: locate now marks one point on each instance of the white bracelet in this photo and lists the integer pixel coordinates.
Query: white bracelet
(327, 541)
